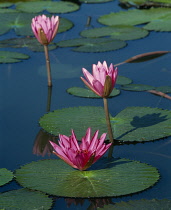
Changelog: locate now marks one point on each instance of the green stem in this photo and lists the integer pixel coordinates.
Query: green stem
(110, 133)
(48, 65)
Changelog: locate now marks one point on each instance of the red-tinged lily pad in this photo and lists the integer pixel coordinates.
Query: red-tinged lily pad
(5, 176)
(105, 178)
(24, 199)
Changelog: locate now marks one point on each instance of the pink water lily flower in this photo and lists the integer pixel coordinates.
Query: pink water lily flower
(81, 156)
(45, 28)
(103, 79)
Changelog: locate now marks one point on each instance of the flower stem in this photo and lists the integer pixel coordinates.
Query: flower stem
(48, 65)
(110, 133)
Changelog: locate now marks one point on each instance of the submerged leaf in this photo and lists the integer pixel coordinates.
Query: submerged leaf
(115, 178)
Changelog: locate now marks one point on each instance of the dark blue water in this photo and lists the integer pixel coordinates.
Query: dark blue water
(23, 93)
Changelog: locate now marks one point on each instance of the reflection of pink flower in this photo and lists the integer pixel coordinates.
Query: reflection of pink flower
(103, 79)
(45, 28)
(84, 155)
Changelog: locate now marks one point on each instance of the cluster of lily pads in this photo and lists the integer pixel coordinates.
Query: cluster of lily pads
(108, 178)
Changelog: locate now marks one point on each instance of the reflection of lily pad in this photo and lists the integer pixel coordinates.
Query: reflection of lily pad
(52, 7)
(28, 42)
(133, 17)
(5, 176)
(140, 205)
(132, 124)
(61, 71)
(114, 178)
(121, 32)
(137, 87)
(24, 199)
(86, 93)
(92, 44)
(12, 57)
(21, 23)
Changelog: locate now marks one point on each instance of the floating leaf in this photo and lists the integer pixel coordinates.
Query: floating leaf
(140, 205)
(114, 178)
(133, 17)
(93, 45)
(5, 176)
(137, 87)
(94, 1)
(21, 23)
(121, 32)
(86, 93)
(121, 80)
(5, 4)
(4, 11)
(12, 57)
(160, 24)
(52, 7)
(134, 124)
(28, 42)
(24, 199)
(164, 89)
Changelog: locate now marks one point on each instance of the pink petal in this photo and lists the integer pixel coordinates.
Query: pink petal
(89, 86)
(98, 87)
(88, 76)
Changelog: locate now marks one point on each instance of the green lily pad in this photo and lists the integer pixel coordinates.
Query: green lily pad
(133, 17)
(52, 7)
(24, 199)
(121, 80)
(121, 32)
(86, 93)
(94, 1)
(5, 4)
(160, 24)
(137, 87)
(140, 205)
(21, 23)
(114, 178)
(93, 44)
(4, 11)
(164, 89)
(5, 176)
(28, 42)
(12, 57)
(133, 124)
